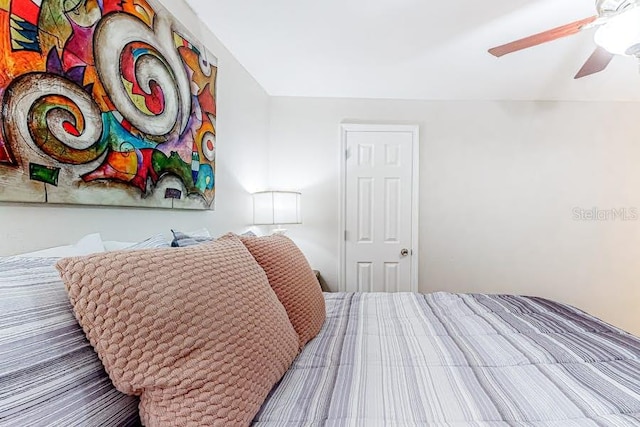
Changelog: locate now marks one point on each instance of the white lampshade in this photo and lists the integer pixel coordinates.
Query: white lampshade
(276, 207)
(621, 34)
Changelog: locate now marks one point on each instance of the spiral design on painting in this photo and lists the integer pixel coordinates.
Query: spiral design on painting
(160, 67)
(55, 115)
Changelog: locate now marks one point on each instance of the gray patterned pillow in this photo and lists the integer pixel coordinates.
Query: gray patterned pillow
(49, 373)
(182, 240)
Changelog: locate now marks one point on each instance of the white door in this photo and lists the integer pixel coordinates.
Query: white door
(380, 179)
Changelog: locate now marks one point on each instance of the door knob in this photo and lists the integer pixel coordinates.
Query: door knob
(404, 252)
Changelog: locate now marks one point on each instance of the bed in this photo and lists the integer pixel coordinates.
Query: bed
(379, 359)
(446, 359)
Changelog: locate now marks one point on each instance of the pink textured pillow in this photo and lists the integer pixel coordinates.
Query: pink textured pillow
(197, 332)
(293, 281)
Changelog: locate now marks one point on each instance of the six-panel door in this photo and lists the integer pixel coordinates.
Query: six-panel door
(378, 211)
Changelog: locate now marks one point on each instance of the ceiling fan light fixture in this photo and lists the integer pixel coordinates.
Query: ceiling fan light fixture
(620, 33)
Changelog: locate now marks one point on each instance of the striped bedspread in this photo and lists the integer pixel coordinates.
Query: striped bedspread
(459, 360)
(49, 373)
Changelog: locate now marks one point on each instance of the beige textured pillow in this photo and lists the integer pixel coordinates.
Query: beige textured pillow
(292, 279)
(197, 332)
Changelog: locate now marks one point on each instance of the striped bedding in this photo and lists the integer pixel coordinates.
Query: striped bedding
(459, 360)
(49, 373)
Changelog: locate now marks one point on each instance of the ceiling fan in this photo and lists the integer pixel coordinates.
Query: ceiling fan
(618, 33)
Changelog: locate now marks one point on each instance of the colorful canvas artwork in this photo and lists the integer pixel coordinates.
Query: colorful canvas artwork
(105, 102)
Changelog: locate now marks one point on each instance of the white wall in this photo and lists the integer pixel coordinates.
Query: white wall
(499, 182)
(242, 168)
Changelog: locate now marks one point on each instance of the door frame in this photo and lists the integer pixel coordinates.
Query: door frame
(345, 128)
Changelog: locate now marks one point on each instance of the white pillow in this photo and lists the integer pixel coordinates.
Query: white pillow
(114, 245)
(89, 244)
(153, 242)
(201, 232)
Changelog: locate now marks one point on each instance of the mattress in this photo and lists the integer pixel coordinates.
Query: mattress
(459, 360)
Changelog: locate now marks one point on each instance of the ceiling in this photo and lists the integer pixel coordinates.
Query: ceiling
(414, 49)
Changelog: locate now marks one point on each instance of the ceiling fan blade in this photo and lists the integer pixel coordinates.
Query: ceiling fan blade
(546, 36)
(597, 62)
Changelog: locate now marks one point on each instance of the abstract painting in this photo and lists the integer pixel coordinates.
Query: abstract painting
(105, 102)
